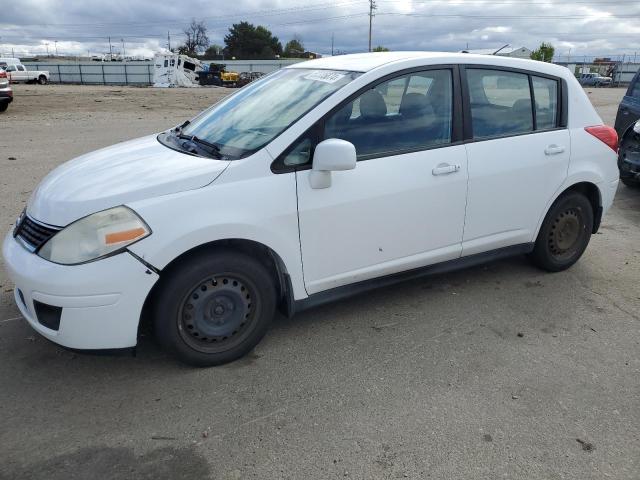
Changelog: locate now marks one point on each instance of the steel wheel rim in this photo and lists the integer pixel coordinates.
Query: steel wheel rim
(218, 313)
(566, 233)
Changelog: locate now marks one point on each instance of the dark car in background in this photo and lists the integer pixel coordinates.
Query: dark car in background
(6, 94)
(629, 152)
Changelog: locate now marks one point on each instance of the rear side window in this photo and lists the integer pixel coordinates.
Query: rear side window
(545, 92)
(500, 103)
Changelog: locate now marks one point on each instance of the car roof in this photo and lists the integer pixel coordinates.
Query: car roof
(364, 62)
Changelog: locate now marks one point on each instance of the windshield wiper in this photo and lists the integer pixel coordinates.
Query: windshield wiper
(208, 147)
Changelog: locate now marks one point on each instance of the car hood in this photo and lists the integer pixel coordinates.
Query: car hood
(116, 175)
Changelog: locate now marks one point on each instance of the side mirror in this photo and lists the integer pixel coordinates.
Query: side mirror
(331, 155)
(636, 127)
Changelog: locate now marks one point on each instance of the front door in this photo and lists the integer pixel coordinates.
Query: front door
(403, 206)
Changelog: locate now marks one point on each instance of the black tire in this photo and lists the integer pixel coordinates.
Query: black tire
(214, 307)
(630, 182)
(4, 106)
(564, 234)
(42, 80)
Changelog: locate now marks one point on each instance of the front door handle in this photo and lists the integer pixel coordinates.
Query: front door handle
(553, 150)
(445, 168)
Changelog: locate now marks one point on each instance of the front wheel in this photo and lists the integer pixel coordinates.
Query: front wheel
(214, 307)
(564, 234)
(4, 106)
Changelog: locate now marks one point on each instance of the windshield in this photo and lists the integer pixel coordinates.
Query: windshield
(262, 110)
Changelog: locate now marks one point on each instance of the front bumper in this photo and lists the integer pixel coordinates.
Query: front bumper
(101, 301)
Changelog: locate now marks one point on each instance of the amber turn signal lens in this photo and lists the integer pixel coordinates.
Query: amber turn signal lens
(124, 236)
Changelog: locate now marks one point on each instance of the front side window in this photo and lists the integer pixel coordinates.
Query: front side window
(255, 115)
(500, 103)
(21, 68)
(545, 93)
(407, 113)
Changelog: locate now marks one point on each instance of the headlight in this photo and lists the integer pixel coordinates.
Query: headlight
(95, 236)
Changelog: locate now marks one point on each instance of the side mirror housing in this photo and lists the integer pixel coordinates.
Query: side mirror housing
(331, 155)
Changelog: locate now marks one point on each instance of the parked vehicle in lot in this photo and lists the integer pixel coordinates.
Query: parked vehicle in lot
(19, 73)
(594, 80)
(4, 61)
(320, 180)
(626, 119)
(6, 93)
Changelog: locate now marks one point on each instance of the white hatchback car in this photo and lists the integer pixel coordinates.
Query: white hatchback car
(320, 180)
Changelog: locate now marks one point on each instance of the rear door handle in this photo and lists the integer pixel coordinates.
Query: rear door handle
(553, 150)
(445, 169)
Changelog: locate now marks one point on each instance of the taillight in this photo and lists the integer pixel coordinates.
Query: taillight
(606, 135)
(3, 74)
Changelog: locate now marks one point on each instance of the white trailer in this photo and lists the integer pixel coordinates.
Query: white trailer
(175, 70)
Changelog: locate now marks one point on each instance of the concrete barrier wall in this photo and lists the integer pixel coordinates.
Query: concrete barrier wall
(97, 73)
(135, 73)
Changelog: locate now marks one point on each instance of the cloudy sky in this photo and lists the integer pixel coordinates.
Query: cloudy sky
(575, 27)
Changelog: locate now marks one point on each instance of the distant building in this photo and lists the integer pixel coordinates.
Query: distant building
(520, 52)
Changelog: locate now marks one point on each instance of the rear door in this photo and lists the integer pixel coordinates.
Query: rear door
(518, 154)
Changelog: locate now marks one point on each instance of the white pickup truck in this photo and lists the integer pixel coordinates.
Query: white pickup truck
(19, 73)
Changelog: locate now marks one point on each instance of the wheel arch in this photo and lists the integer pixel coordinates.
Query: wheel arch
(587, 188)
(258, 251)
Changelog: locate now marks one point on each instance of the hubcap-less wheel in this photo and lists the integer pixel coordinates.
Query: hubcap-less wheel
(564, 235)
(218, 313)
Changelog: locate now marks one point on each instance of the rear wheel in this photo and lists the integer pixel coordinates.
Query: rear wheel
(564, 234)
(42, 80)
(215, 307)
(4, 106)
(630, 183)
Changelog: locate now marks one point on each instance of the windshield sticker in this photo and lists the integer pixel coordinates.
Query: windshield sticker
(325, 76)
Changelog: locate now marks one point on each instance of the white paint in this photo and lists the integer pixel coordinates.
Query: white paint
(387, 215)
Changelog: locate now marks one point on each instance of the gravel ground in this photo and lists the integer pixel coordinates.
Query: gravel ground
(500, 371)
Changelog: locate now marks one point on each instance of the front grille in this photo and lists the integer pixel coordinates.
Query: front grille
(34, 234)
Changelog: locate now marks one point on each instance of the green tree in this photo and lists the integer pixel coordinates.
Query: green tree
(380, 48)
(544, 53)
(294, 48)
(245, 41)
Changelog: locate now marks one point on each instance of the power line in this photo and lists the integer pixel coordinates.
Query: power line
(510, 17)
(279, 11)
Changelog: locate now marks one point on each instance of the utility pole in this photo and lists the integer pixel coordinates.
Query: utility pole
(56, 43)
(110, 52)
(372, 8)
(47, 45)
(124, 52)
(332, 44)
(169, 40)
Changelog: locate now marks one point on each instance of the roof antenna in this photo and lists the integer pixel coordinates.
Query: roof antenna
(501, 48)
